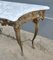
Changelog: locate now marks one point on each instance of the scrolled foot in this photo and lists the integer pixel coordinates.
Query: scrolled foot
(33, 46)
(1, 30)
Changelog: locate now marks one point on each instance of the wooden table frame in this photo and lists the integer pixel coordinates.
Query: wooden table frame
(35, 16)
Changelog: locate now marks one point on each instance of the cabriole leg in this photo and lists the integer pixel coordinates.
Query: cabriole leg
(17, 32)
(36, 31)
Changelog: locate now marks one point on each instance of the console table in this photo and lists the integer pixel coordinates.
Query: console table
(16, 14)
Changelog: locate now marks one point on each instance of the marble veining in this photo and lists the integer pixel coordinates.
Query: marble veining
(13, 11)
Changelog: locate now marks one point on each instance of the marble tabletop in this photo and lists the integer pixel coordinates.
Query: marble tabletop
(13, 11)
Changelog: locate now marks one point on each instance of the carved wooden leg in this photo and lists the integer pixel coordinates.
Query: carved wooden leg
(36, 31)
(17, 32)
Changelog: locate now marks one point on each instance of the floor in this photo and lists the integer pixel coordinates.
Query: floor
(10, 50)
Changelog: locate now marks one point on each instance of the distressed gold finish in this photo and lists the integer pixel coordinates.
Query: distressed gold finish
(35, 16)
